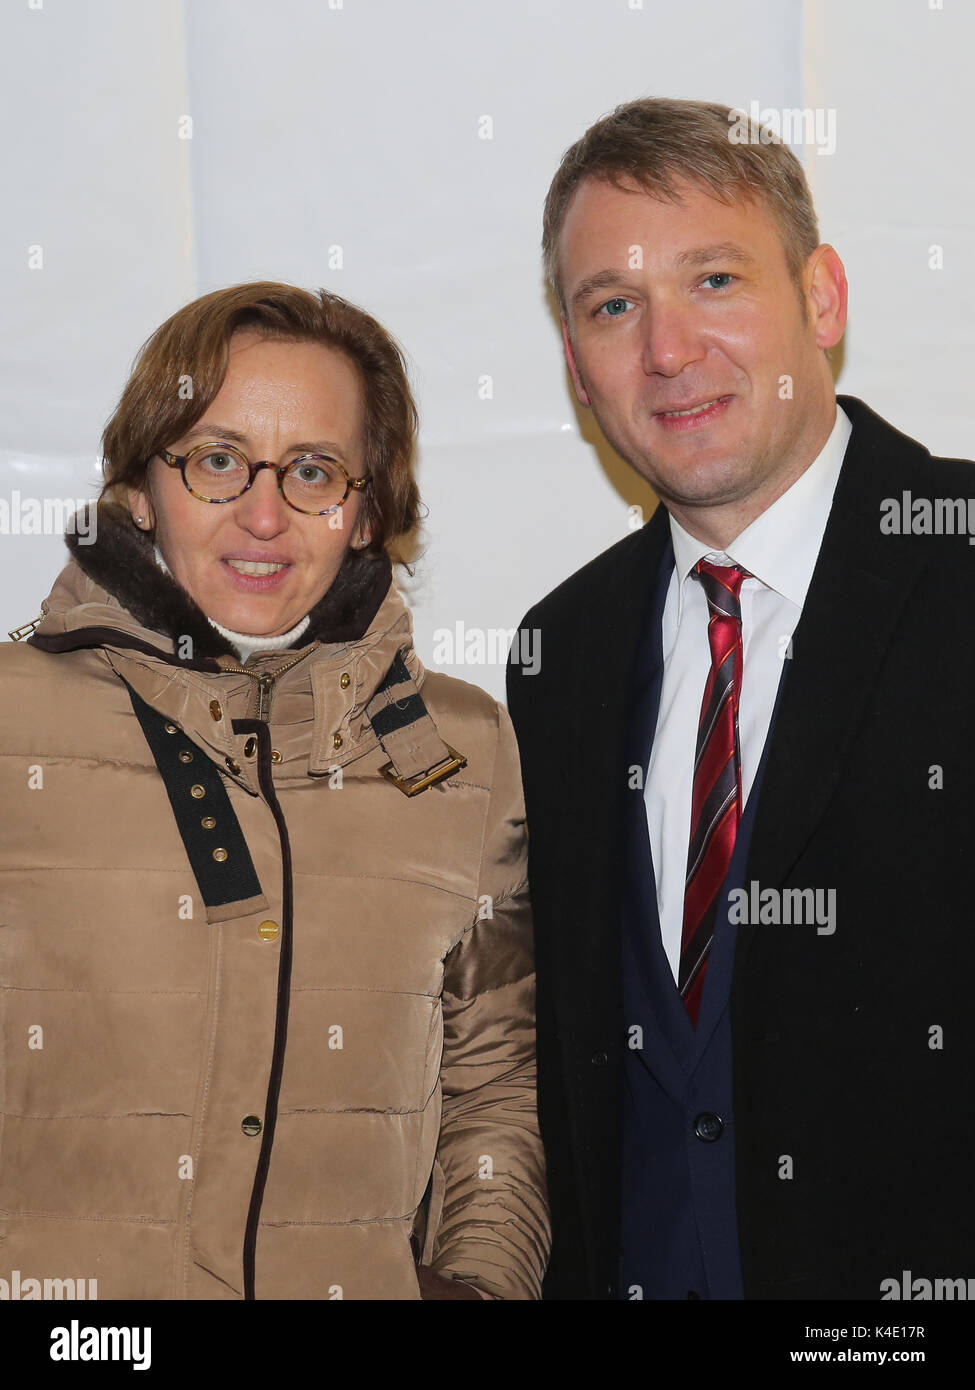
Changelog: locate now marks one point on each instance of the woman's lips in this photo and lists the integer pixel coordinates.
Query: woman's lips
(254, 583)
(700, 416)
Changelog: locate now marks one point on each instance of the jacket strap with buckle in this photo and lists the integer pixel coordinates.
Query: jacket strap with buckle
(418, 756)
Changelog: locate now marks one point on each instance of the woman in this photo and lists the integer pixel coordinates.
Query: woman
(268, 1016)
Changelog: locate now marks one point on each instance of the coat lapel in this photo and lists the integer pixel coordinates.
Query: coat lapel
(610, 624)
(859, 588)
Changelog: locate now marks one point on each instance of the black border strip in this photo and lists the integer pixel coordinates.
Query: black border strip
(220, 882)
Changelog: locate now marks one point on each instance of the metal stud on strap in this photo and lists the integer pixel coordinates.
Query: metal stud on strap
(224, 874)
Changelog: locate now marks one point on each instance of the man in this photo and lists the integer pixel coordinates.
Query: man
(747, 763)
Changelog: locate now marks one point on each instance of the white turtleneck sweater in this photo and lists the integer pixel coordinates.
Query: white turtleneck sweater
(246, 643)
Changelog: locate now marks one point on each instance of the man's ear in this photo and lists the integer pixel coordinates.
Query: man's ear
(582, 395)
(826, 295)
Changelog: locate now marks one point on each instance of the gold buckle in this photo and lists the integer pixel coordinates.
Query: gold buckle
(21, 632)
(419, 784)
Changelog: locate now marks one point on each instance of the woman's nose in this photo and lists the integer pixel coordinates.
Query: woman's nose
(261, 508)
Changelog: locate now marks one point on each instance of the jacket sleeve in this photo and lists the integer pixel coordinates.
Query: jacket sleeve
(494, 1228)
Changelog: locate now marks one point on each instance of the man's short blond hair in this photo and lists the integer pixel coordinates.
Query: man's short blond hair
(658, 142)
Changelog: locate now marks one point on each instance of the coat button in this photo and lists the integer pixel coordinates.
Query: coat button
(233, 765)
(250, 1124)
(215, 711)
(275, 756)
(197, 791)
(219, 855)
(269, 931)
(599, 1059)
(708, 1127)
(208, 822)
(336, 740)
(250, 747)
(185, 756)
(344, 680)
(170, 728)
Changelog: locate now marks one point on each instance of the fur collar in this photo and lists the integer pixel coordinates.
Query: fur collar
(122, 562)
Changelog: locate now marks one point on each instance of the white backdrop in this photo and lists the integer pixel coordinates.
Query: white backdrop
(353, 129)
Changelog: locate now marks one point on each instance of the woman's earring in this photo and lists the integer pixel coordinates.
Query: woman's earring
(139, 520)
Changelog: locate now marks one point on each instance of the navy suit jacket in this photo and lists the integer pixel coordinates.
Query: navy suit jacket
(852, 1053)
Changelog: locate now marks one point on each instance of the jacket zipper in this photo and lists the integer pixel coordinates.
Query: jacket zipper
(281, 1014)
(265, 692)
(265, 684)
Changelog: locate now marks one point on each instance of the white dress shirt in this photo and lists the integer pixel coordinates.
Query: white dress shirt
(779, 549)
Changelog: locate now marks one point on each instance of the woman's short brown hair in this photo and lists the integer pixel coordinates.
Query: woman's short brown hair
(181, 367)
(656, 141)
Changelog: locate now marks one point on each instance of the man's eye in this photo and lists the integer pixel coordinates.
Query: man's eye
(721, 275)
(614, 307)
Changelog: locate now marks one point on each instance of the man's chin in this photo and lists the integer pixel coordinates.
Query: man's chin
(704, 487)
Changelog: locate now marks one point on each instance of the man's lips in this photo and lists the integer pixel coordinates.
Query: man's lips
(677, 419)
(690, 407)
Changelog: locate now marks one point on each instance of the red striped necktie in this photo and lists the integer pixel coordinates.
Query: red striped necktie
(716, 794)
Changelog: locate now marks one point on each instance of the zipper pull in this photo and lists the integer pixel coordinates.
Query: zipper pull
(265, 684)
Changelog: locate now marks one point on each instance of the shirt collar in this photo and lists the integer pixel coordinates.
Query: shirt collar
(781, 545)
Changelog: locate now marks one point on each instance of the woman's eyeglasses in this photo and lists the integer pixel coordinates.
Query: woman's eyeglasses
(312, 483)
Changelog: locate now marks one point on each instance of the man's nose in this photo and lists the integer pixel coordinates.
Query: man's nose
(672, 338)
